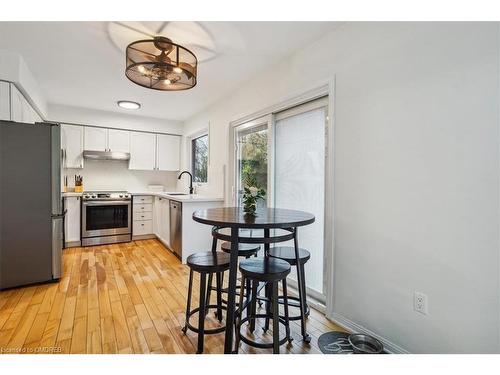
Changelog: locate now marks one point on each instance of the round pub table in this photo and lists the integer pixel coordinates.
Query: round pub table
(234, 219)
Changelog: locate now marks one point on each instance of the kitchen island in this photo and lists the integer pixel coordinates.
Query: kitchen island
(172, 221)
(152, 216)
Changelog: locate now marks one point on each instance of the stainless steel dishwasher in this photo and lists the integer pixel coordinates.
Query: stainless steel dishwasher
(176, 227)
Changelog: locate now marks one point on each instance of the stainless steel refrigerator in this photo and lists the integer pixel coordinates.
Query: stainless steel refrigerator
(31, 217)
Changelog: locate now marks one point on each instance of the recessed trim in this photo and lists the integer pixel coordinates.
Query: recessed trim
(127, 104)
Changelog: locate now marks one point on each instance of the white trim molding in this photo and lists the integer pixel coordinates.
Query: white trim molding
(325, 88)
(353, 327)
(189, 150)
(286, 103)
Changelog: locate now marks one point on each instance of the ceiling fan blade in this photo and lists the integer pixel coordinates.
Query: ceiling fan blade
(130, 27)
(161, 27)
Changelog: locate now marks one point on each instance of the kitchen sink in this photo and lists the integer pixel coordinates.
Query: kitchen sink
(177, 193)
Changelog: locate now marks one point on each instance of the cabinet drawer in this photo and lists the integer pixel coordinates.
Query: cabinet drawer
(143, 215)
(146, 207)
(141, 227)
(139, 199)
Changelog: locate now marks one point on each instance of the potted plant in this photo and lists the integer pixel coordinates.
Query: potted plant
(251, 194)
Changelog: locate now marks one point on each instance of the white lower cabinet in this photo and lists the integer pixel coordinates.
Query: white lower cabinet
(143, 207)
(161, 219)
(142, 224)
(72, 221)
(165, 228)
(142, 227)
(143, 216)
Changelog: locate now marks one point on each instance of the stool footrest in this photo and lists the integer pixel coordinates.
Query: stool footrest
(294, 302)
(256, 344)
(207, 331)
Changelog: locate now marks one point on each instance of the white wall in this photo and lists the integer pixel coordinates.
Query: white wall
(127, 120)
(13, 69)
(115, 175)
(416, 174)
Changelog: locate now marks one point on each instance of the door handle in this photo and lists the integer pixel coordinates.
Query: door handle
(59, 216)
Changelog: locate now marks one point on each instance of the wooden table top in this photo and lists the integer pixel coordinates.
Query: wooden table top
(266, 218)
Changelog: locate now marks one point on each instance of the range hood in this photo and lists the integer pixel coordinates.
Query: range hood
(106, 155)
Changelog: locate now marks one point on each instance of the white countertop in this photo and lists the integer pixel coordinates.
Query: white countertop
(179, 198)
(71, 194)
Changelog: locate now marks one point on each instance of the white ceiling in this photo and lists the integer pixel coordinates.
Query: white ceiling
(82, 63)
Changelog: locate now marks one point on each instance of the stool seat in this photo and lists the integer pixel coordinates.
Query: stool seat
(208, 262)
(287, 254)
(264, 269)
(244, 250)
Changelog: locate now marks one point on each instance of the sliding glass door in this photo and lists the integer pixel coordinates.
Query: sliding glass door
(284, 153)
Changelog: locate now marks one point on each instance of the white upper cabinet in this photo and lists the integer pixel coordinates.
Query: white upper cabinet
(103, 139)
(72, 146)
(95, 138)
(142, 151)
(4, 101)
(118, 140)
(167, 152)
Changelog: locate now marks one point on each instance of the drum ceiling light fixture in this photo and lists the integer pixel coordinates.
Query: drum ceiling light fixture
(160, 64)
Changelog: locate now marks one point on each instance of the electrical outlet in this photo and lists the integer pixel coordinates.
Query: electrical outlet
(420, 302)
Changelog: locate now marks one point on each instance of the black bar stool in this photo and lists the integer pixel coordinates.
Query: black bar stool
(287, 254)
(205, 263)
(244, 251)
(270, 271)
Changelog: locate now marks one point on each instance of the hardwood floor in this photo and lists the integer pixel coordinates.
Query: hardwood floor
(123, 298)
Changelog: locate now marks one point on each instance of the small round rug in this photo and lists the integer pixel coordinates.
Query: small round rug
(335, 342)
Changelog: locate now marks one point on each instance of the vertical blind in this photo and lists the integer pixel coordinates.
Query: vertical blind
(299, 181)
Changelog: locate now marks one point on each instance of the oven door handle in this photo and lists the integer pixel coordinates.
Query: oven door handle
(106, 203)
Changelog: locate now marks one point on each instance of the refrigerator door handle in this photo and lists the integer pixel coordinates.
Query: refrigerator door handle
(60, 216)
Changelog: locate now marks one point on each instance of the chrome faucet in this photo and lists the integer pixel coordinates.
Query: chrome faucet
(190, 180)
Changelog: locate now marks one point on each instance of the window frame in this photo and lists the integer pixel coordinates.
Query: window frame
(191, 151)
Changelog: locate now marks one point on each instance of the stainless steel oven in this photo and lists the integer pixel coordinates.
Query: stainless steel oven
(106, 218)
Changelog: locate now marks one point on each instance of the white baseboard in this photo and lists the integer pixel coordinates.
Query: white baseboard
(72, 244)
(351, 326)
(143, 237)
